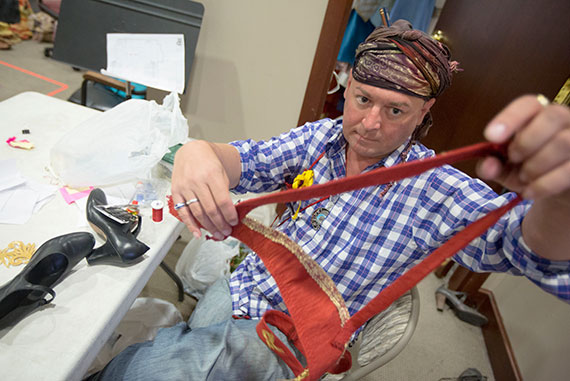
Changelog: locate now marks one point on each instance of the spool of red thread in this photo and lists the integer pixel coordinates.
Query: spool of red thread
(157, 207)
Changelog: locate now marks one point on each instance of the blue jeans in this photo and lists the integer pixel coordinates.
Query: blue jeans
(212, 346)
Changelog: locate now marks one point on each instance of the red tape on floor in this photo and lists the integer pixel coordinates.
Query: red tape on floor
(62, 86)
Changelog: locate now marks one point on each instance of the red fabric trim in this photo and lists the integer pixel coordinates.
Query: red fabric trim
(378, 176)
(315, 317)
(285, 325)
(411, 277)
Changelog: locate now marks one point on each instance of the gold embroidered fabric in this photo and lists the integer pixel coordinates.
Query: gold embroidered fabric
(270, 341)
(17, 253)
(303, 375)
(312, 267)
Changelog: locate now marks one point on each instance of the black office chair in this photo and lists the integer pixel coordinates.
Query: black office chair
(97, 91)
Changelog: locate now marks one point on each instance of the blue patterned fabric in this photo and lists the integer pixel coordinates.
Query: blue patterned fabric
(356, 32)
(367, 241)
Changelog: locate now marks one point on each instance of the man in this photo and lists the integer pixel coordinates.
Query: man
(366, 238)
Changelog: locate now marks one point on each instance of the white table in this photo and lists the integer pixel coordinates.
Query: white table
(60, 341)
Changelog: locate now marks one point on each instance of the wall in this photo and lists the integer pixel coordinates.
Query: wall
(537, 324)
(251, 68)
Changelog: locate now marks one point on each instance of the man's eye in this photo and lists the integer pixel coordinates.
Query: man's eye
(361, 99)
(395, 111)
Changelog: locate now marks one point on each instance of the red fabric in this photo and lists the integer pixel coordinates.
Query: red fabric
(315, 326)
(409, 279)
(285, 325)
(375, 177)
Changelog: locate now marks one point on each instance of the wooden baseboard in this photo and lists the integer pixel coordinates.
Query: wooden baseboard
(499, 348)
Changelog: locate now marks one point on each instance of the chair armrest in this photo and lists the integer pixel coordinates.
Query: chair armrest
(106, 80)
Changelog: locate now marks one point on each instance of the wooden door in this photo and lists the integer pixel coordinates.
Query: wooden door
(506, 48)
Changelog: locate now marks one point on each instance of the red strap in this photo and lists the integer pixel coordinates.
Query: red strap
(411, 277)
(285, 325)
(378, 176)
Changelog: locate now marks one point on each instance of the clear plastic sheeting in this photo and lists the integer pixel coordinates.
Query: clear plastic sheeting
(204, 261)
(121, 144)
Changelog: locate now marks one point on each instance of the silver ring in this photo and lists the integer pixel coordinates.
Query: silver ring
(181, 205)
(191, 201)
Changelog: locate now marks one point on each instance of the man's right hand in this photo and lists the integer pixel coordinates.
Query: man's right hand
(205, 172)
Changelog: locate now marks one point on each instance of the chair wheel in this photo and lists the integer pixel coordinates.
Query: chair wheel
(48, 52)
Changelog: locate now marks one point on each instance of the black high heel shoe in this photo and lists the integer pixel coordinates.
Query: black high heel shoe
(122, 247)
(47, 267)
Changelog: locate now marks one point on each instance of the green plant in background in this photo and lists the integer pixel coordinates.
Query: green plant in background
(244, 250)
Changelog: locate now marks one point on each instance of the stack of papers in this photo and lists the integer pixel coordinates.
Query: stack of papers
(20, 197)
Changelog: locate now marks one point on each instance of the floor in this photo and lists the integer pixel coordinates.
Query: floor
(442, 346)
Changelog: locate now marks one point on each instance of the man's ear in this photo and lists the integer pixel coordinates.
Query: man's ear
(426, 107)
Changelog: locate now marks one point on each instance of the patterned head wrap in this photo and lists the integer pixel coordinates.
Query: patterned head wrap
(409, 61)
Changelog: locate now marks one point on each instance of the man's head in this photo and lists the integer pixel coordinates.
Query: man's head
(402, 59)
(398, 72)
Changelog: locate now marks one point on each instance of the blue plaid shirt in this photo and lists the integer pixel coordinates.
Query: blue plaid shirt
(367, 241)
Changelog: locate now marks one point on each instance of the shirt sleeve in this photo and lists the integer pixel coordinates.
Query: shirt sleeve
(267, 165)
(453, 200)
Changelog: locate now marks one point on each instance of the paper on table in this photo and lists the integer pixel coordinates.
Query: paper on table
(154, 60)
(20, 198)
(9, 174)
(44, 192)
(17, 206)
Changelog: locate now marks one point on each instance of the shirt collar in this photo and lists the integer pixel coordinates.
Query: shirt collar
(336, 144)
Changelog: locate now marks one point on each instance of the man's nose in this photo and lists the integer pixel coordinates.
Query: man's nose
(372, 119)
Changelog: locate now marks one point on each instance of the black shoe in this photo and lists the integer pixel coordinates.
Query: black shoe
(122, 247)
(47, 267)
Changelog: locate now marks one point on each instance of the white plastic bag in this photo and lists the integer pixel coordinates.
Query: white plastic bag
(202, 262)
(120, 144)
